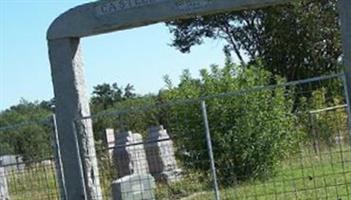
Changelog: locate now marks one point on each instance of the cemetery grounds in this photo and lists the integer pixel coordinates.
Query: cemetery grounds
(318, 168)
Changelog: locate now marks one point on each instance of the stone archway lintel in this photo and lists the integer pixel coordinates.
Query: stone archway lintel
(107, 16)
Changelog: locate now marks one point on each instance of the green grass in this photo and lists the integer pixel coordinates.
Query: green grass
(35, 182)
(306, 176)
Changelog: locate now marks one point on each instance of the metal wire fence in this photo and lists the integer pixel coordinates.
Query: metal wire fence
(28, 168)
(286, 141)
(145, 144)
(315, 166)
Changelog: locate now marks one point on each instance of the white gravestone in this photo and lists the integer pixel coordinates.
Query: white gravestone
(110, 140)
(160, 155)
(129, 154)
(4, 192)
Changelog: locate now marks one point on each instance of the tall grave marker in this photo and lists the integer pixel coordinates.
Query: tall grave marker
(129, 154)
(110, 140)
(160, 155)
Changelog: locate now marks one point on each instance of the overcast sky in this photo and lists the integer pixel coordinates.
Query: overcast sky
(138, 56)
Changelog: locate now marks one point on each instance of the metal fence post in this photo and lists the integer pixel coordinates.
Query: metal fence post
(58, 161)
(347, 97)
(210, 152)
(345, 19)
(314, 133)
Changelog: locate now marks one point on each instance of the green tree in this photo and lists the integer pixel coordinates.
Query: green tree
(26, 130)
(106, 95)
(129, 92)
(296, 41)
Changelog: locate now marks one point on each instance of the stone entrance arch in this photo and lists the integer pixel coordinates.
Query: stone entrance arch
(81, 178)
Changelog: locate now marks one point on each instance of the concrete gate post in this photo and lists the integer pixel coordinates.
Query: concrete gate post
(75, 136)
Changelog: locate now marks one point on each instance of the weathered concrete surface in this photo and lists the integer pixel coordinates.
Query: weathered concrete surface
(129, 154)
(345, 17)
(106, 16)
(160, 155)
(71, 103)
(4, 191)
(134, 187)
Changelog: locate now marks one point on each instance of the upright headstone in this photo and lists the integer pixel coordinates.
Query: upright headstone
(160, 155)
(134, 187)
(129, 154)
(110, 140)
(4, 192)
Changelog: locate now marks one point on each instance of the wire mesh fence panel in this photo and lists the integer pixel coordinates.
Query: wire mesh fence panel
(153, 152)
(282, 141)
(288, 141)
(27, 163)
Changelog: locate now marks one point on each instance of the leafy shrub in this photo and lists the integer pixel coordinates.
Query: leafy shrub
(250, 132)
(322, 118)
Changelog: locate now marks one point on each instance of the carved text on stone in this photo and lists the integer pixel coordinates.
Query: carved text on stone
(113, 7)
